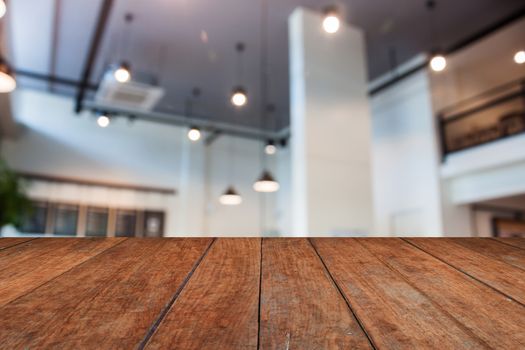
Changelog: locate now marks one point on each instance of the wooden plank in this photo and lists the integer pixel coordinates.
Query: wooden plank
(516, 242)
(6, 242)
(493, 249)
(109, 302)
(507, 279)
(300, 306)
(218, 308)
(496, 320)
(394, 313)
(26, 266)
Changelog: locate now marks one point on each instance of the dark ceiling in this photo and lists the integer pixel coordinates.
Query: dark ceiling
(190, 43)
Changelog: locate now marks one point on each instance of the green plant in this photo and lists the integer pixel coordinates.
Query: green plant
(14, 204)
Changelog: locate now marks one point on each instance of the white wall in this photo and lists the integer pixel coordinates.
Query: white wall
(57, 142)
(330, 125)
(405, 160)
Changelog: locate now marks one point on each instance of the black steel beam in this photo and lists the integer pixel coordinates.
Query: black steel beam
(53, 79)
(103, 17)
(210, 139)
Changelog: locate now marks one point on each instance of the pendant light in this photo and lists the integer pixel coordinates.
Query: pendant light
(231, 196)
(122, 72)
(3, 8)
(438, 62)
(266, 182)
(239, 97)
(331, 21)
(7, 81)
(194, 134)
(270, 148)
(103, 120)
(519, 57)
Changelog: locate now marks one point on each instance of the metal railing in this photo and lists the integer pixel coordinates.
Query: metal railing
(491, 116)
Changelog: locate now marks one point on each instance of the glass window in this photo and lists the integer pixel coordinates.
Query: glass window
(97, 222)
(66, 218)
(35, 221)
(125, 225)
(153, 223)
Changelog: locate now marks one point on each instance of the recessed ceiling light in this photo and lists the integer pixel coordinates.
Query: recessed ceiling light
(519, 57)
(438, 63)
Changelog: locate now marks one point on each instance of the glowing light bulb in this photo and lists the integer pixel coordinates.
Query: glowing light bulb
(194, 134)
(270, 149)
(266, 183)
(519, 57)
(438, 63)
(7, 82)
(331, 23)
(103, 121)
(122, 73)
(230, 197)
(239, 97)
(3, 8)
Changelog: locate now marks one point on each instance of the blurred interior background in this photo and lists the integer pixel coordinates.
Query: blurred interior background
(262, 117)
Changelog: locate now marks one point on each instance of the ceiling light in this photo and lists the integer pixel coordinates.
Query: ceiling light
(331, 21)
(519, 57)
(438, 63)
(230, 197)
(270, 148)
(239, 97)
(103, 121)
(194, 134)
(3, 8)
(7, 81)
(266, 183)
(122, 74)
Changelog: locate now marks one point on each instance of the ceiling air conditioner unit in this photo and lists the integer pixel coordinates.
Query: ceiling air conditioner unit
(134, 94)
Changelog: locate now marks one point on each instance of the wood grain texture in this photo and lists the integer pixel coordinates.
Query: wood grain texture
(493, 249)
(26, 266)
(507, 279)
(394, 313)
(300, 306)
(496, 320)
(108, 302)
(218, 308)
(7, 242)
(516, 242)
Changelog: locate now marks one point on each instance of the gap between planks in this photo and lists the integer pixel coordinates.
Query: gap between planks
(336, 285)
(166, 309)
(120, 241)
(464, 272)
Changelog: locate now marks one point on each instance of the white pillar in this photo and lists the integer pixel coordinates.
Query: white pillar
(330, 125)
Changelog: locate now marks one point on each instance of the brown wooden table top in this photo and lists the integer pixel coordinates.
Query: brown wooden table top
(275, 293)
